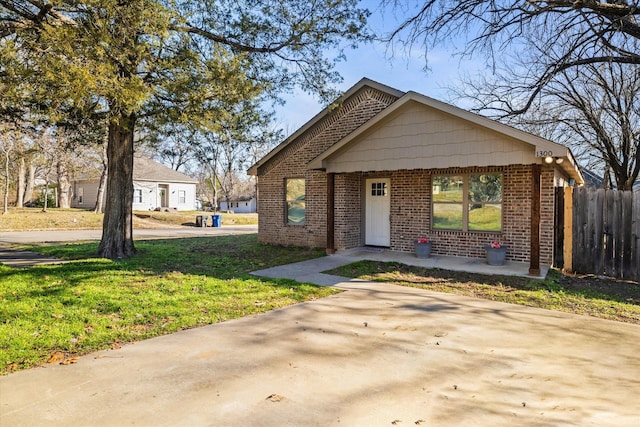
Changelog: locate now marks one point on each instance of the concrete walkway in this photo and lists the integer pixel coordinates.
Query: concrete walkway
(374, 355)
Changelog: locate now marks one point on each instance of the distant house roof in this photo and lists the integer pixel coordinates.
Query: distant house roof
(148, 170)
(591, 179)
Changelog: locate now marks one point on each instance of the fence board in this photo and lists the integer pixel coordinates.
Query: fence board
(635, 236)
(579, 230)
(606, 232)
(626, 238)
(580, 205)
(610, 234)
(597, 219)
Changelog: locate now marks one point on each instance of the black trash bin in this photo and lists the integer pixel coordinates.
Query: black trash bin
(198, 220)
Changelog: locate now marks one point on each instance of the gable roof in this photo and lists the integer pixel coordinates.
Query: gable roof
(569, 164)
(145, 169)
(365, 82)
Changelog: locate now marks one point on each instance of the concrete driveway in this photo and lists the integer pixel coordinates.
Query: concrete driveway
(374, 355)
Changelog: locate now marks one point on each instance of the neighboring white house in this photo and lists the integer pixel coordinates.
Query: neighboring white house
(240, 205)
(154, 186)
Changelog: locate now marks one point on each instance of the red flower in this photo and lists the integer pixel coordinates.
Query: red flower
(496, 245)
(422, 240)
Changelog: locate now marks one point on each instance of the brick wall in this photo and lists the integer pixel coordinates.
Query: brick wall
(348, 210)
(411, 213)
(291, 162)
(411, 218)
(546, 214)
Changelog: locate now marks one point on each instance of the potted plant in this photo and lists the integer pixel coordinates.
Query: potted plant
(422, 247)
(496, 253)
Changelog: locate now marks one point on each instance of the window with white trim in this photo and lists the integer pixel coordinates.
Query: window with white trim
(470, 202)
(137, 195)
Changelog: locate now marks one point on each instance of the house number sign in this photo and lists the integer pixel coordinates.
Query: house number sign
(544, 153)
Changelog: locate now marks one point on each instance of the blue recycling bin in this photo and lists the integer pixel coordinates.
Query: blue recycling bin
(216, 220)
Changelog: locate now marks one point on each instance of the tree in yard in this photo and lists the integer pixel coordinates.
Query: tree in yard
(172, 145)
(173, 61)
(226, 151)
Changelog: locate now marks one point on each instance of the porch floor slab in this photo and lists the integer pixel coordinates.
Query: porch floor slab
(470, 265)
(311, 271)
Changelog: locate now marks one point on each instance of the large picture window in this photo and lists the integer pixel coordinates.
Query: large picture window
(295, 200)
(467, 202)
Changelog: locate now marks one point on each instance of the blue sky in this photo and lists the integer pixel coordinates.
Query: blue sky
(401, 71)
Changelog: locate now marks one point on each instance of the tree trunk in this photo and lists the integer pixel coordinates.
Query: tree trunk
(31, 183)
(117, 226)
(64, 185)
(103, 181)
(214, 199)
(46, 193)
(5, 208)
(22, 171)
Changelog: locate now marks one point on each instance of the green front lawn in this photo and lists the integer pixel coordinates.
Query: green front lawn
(61, 311)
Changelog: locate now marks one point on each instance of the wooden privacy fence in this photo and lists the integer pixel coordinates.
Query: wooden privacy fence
(598, 232)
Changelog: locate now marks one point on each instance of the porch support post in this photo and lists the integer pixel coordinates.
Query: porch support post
(331, 246)
(568, 230)
(534, 263)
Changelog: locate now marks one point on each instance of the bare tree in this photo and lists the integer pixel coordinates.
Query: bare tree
(30, 183)
(599, 104)
(592, 32)
(21, 181)
(7, 143)
(64, 183)
(594, 109)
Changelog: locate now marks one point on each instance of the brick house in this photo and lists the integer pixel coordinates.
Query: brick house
(382, 167)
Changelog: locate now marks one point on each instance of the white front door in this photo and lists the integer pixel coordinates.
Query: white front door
(377, 212)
